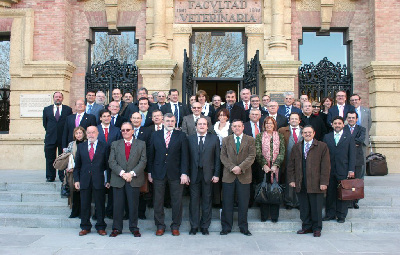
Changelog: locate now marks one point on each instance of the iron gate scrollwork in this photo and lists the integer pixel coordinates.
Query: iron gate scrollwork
(252, 74)
(187, 79)
(324, 79)
(110, 75)
(4, 110)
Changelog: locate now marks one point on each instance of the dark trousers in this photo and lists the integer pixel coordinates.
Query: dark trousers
(127, 192)
(271, 210)
(228, 196)
(200, 191)
(176, 191)
(311, 209)
(76, 203)
(51, 151)
(291, 198)
(335, 207)
(99, 201)
(110, 202)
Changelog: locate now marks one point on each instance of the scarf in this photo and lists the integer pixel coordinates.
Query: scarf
(224, 132)
(266, 146)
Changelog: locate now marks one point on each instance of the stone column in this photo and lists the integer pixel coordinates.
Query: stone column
(384, 97)
(158, 40)
(278, 42)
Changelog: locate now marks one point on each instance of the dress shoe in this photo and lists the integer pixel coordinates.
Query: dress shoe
(304, 231)
(175, 232)
(49, 180)
(204, 232)
(101, 232)
(193, 231)
(160, 232)
(274, 220)
(142, 217)
(136, 233)
(317, 233)
(341, 220)
(246, 232)
(327, 218)
(356, 206)
(84, 232)
(224, 232)
(167, 205)
(114, 233)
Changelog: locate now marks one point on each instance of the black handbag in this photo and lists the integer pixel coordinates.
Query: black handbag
(65, 191)
(261, 192)
(275, 193)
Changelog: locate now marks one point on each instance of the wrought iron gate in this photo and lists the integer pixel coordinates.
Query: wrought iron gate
(187, 79)
(112, 75)
(252, 74)
(324, 79)
(4, 110)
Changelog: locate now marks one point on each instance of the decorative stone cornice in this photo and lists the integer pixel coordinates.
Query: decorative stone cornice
(382, 69)
(182, 29)
(112, 14)
(326, 14)
(252, 30)
(8, 3)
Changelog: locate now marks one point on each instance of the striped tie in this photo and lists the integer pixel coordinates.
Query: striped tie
(167, 139)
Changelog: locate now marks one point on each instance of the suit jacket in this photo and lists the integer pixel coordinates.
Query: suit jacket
(244, 159)
(281, 121)
(334, 111)
(282, 110)
(247, 128)
(237, 112)
(366, 122)
(114, 134)
(85, 170)
(169, 162)
(241, 104)
(96, 108)
(134, 107)
(342, 156)
(183, 111)
(211, 113)
(318, 166)
(317, 123)
(86, 121)
(120, 120)
(211, 157)
(136, 162)
(289, 143)
(122, 107)
(359, 138)
(189, 127)
(144, 135)
(153, 127)
(263, 113)
(54, 129)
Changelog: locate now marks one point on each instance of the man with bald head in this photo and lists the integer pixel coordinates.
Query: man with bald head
(281, 120)
(79, 119)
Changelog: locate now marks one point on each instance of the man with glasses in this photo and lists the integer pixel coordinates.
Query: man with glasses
(176, 108)
(134, 107)
(340, 109)
(255, 104)
(116, 118)
(117, 97)
(216, 102)
(189, 121)
(265, 100)
(161, 97)
(288, 108)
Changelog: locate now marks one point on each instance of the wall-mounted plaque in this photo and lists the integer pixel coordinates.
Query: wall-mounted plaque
(31, 105)
(218, 12)
(278, 97)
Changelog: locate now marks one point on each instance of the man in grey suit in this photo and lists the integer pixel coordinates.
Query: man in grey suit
(364, 119)
(188, 124)
(91, 106)
(127, 162)
(238, 152)
(204, 165)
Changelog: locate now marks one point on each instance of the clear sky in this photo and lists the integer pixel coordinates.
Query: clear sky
(315, 48)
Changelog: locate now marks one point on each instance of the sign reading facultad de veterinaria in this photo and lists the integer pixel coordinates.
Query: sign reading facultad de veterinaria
(218, 11)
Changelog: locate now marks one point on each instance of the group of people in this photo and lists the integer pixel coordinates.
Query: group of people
(129, 150)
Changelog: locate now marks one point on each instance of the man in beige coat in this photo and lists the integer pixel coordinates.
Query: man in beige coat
(127, 162)
(237, 155)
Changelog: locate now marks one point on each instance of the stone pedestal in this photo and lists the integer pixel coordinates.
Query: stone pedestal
(279, 75)
(384, 97)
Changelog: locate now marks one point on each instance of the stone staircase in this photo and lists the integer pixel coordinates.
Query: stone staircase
(39, 205)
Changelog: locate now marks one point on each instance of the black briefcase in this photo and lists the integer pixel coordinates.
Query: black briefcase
(376, 165)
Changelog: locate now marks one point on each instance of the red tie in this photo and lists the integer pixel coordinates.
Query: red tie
(127, 150)
(295, 135)
(167, 139)
(246, 106)
(106, 133)
(256, 130)
(91, 152)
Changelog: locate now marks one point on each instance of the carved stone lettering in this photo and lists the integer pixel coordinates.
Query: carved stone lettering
(31, 105)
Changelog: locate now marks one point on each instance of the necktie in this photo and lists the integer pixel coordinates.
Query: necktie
(337, 138)
(229, 108)
(359, 117)
(91, 152)
(295, 135)
(77, 120)
(167, 139)
(127, 150)
(256, 130)
(306, 150)
(57, 115)
(106, 133)
(176, 114)
(89, 109)
(112, 120)
(351, 130)
(136, 132)
(287, 114)
(237, 144)
(341, 111)
(159, 127)
(201, 147)
(246, 106)
(143, 120)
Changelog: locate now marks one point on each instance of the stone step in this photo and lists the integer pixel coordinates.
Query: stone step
(31, 196)
(47, 208)
(32, 186)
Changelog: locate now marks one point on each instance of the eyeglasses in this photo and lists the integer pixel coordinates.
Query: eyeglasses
(196, 107)
(316, 106)
(126, 130)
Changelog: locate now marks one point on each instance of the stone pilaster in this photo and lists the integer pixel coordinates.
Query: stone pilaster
(384, 96)
(279, 75)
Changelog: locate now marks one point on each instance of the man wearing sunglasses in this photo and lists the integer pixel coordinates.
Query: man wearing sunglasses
(189, 122)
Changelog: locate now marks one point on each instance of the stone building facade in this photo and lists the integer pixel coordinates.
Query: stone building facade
(50, 41)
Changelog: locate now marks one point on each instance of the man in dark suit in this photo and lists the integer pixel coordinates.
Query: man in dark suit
(91, 106)
(281, 120)
(54, 117)
(127, 162)
(189, 121)
(315, 121)
(235, 110)
(178, 109)
(134, 107)
(145, 112)
(157, 118)
(340, 109)
(80, 118)
(244, 102)
(204, 151)
(168, 162)
(265, 100)
(238, 152)
(90, 163)
(116, 118)
(117, 97)
(308, 172)
(288, 108)
(255, 104)
(358, 132)
(342, 150)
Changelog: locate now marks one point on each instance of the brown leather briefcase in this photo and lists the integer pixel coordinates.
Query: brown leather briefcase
(351, 189)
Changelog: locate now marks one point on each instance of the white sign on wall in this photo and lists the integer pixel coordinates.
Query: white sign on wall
(31, 105)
